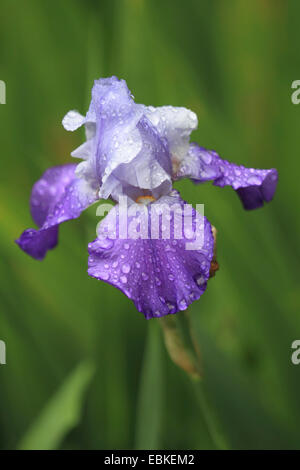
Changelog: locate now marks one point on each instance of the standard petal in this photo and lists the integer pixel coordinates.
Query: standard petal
(160, 275)
(149, 169)
(175, 124)
(58, 196)
(124, 147)
(254, 186)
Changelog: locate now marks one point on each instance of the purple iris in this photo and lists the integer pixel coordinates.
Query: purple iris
(137, 151)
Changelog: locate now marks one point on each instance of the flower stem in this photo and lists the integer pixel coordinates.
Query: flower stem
(185, 352)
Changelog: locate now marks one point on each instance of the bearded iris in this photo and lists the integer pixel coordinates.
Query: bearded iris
(137, 151)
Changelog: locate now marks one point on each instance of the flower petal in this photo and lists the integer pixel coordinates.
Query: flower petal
(253, 186)
(56, 197)
(160, 274)
(129, 150)
(123, 147)
(175, 124)
(73, 120)
(150, 168)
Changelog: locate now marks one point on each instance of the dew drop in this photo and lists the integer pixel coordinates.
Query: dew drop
(200, 280)
(104, 276)
(170, 306)
(254, 180)
(126, 268)
(105, 243)
(182, 304)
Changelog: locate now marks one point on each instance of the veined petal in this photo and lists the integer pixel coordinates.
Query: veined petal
(150, 167)
(254, 186)
(124, 147)
(160, 274)
(56, 197)
(175, 124)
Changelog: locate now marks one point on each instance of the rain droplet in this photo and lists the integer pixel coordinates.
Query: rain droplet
(170, 306)
(104, 276)
(200, 280)
(254, 180)
(182, 304)
(105, 243)
(126, 268)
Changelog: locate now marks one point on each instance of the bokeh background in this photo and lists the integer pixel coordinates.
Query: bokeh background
(84, 369)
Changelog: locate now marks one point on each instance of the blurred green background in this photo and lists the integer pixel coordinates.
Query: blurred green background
(84, 369)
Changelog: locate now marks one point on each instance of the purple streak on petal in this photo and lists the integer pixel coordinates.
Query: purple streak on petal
(56, 197)
(253, 186)
(159, 275)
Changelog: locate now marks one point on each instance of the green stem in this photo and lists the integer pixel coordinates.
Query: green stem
(208, 413)
(184, 351)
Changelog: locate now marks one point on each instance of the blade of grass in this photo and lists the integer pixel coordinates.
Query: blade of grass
(61, 413)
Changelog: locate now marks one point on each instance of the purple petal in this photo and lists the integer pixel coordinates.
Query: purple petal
(124, 148)
(56, 197)
(160, 275)
(253, 186)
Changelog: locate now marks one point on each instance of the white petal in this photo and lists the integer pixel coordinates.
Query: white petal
(73, 120)
(84, 151)
(176, 125)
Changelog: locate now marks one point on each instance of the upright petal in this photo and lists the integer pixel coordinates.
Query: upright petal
(150, 168)
(56, 197)
(159, 273)
(253, 186)
(129, 150)
(123, 148)
(175, 124)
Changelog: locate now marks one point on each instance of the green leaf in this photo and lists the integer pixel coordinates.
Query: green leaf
(150, 402)
(61, 413)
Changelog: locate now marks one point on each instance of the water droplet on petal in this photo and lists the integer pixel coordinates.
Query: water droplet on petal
(182, 304)
(254, 180)
(105, 243)
(123, 279)
(104, 275)
(170, 306)
(200, 280)
(126, 268)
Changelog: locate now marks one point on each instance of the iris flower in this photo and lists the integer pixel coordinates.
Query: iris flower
(136, 152)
